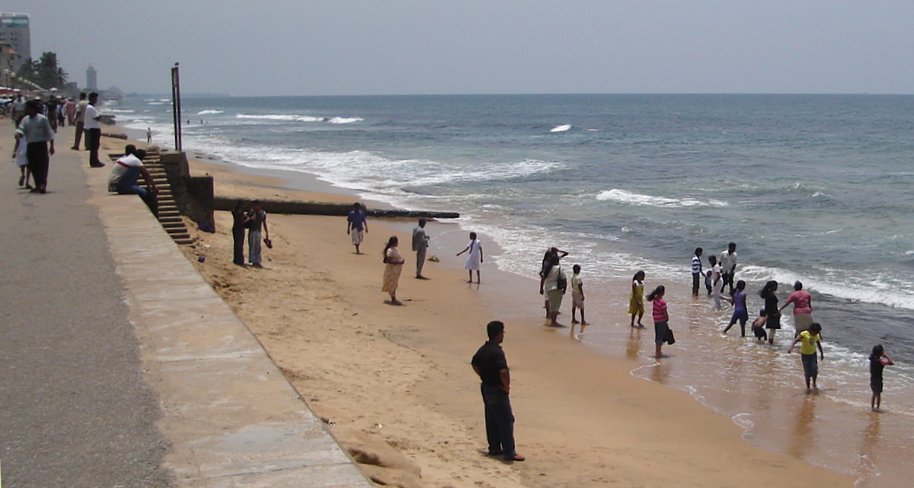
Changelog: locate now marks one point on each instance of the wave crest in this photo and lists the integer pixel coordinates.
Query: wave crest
(561, 128)
(631, 198)
(209, 112)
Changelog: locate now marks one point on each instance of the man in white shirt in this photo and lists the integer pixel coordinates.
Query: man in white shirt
(126, 173)
(93, 128)
(728, 265)
(80, 122)
(39, 135)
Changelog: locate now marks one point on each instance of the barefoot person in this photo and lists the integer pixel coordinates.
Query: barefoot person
(636, 301)
(552, 257)
(878, 361)
(740, 312)
(577, 295)
(661, 319)
(697, 274)
(357, 225)
(257, 227)
(240, 221)
(490, 364)
(474, 258)
(420, 245)
(393, 266)
(809, 341)
(22, 160)
(802, 307)
(553, 287)
(773, 322)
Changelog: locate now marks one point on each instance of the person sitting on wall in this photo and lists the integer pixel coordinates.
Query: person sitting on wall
(126, 173)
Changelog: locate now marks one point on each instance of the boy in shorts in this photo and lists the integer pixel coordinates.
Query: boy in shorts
(577, 295)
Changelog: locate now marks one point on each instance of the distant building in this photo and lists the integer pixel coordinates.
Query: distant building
(14, 32)
(91, 79)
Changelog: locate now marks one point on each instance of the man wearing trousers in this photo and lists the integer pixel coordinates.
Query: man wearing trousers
(490, 364)
(93, 128)
(420, 244)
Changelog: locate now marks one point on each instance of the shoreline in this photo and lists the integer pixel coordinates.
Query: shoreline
(513, 286)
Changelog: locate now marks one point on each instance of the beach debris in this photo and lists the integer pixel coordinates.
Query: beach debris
(434, 259)
(201, 258)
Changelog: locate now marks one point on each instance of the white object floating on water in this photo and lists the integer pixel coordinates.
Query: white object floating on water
(561, 128)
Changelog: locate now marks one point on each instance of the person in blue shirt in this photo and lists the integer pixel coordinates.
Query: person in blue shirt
(357, 225)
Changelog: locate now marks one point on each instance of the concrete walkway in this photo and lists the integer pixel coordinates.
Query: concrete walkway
(121, 367)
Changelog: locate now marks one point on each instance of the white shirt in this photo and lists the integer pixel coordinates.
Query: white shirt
(121, 166)
(81, 111)
(36, 129)
(727, 261)
(91, 115)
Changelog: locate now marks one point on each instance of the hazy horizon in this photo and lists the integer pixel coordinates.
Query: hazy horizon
(416, 47)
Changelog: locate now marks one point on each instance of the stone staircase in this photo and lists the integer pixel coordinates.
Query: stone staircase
(169, 215)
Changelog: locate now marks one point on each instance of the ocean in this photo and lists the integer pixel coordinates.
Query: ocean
(815, 188)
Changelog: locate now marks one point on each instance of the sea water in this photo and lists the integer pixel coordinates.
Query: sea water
(811, 188)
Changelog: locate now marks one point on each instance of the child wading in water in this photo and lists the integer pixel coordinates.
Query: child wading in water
(809, 341)
(758, 325)
(878, 360)
(739, 308)
(661, 318)
(636, 302)
(577, 295)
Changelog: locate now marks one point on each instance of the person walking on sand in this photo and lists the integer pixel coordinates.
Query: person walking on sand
(393, 267)
(809, 341)
(240, 221)
(661, 319)
(474, 258)
(39, 137)
(553, 287)
(740, 312)
(697, 274)
(636, 301)
(490, 364)
(258, 225)
(727, 263)
(878, 361)
(80, 122)
(773, 321)
(357, 225)
(149, 135)
(420, 244)
(93, 131)
(577, 294)
(802, 307)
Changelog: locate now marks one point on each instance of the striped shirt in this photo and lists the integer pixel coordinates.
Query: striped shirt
(696, 265)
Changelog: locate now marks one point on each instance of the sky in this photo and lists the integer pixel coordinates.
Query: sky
(370, 47)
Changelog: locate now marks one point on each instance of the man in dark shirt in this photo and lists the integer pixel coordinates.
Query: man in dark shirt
(490, 364)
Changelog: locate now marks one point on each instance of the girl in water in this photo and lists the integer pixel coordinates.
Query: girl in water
(771, 309)
(636, 302)
(739, 308)
(661, 318)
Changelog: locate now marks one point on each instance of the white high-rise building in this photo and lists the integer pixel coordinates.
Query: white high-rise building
(91, 79)
(14, 31)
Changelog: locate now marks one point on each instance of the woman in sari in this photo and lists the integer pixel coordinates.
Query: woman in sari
(394, 265)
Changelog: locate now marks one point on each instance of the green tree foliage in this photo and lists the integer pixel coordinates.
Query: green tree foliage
(45, 71)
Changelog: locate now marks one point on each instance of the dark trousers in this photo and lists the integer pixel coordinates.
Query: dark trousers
(238, 237)
(79, 136)
(36, 153)
(728, 280)
(499, 421)
(93, 138)
(129, 185)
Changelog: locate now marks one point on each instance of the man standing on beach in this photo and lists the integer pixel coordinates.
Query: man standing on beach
(40, 138)
(696, 271)
(490, 364)
(420, 244)
(357, 225)
(80, 122)
(93, 131)
(727, 262)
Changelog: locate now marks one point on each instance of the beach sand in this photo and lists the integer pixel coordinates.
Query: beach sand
(395, 384)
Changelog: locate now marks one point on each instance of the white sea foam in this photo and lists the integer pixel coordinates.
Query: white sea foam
(209, 112)
(345, 120)
(118, 111)
(282, 117)
(561, 128)
(631, 198)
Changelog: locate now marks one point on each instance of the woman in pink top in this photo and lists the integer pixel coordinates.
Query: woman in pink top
(802, 307)
(661, 318)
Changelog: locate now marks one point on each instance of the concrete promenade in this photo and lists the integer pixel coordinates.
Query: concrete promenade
(120, 367)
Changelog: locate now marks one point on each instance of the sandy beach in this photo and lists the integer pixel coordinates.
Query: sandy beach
(396, 388)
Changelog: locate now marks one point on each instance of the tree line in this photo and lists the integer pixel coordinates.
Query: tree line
(44, 71)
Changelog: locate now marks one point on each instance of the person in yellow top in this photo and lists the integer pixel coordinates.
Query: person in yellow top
(636, 302)
(810, 340)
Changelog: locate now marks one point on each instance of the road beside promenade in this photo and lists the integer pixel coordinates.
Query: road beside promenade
(120, 365)
(74, 407)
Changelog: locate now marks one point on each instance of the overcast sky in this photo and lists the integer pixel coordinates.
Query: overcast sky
(298, 47)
